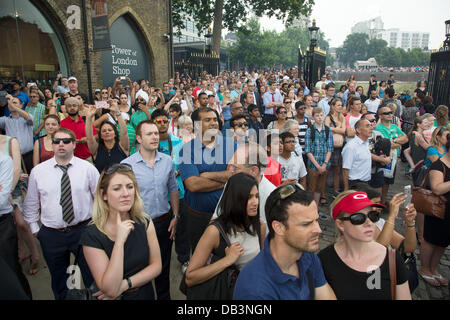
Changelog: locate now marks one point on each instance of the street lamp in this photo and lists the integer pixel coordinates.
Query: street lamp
(313, 36)
(207, 35)
(447, 34)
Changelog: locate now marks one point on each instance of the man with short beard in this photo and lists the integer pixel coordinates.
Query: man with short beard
(287, 267)
(76, 123)
(73, 89)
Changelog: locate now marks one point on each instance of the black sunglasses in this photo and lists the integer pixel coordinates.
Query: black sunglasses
(359, 218)
(387, 113)
(240, 124)
(113, 168)
(64, 140)
(285, 192)
(372, 120)
(282, 112)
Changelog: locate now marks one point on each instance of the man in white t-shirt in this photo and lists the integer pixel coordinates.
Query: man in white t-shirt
(251, 158)
(292, 166)
(373, 102)
(352, 117)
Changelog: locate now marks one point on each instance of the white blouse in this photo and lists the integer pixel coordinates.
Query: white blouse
(249, 243)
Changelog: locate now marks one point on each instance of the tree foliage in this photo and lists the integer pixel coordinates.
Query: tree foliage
(261, 49)
(203, 13)
(358, 47)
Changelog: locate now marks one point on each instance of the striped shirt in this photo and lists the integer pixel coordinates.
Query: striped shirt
(37, 112)
(21, 129)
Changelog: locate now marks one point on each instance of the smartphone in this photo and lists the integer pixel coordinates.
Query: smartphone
(122, 78)
(102, 104)
(407, 192)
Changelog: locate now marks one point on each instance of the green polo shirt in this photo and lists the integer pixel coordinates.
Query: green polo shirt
(38, 114)
(138, 117)
(392, 132)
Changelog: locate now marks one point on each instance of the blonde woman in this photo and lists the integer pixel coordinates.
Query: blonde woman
(356, 266)
(120, 244)
(336, 121)
(186, 128)
(437, 147)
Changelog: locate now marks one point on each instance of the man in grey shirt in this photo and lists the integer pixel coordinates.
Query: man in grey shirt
(19, 124)
(155, 175)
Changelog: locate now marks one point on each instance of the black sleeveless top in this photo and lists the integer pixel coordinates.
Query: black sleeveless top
(136, 255)
(106, 157)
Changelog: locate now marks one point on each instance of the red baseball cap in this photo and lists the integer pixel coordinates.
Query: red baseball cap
(354, 202)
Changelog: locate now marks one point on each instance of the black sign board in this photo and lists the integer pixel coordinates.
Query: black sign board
(100, 27)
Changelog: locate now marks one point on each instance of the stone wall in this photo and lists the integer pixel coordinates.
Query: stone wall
(398, 76)
(150, 17)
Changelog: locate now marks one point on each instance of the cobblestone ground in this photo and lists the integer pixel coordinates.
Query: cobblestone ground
(41, 283)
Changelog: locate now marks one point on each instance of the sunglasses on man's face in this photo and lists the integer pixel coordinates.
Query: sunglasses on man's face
(372, 120)
(282, 112)
(140, 100)
(359, 218)
(161, 121)
(64, 140)
(387, 113)
(240, 124)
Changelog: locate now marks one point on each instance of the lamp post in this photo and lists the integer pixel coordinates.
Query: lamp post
(313, 36)
(447, 34)
(207, 35)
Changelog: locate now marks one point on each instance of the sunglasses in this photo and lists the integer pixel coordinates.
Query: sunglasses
(387, 113)
(282, 112)
(113, 168)
(285, 192)
(359, 218)
(373, 120)
(288, 102)
(160, 121)
(240, 124)
(140, 100)
(64, 140)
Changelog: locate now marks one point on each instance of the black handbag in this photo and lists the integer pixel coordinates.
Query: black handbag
(409, 259)
(219, 287)
(81, 294)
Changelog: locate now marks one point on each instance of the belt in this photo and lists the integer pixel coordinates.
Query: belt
(70, 228)
(163, 217)
(198, 213)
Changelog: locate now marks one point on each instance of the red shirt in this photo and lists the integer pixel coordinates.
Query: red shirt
(194, 92)
(81, 150)
(273, 172)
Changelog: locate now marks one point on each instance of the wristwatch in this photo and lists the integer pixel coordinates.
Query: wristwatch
(130, 285)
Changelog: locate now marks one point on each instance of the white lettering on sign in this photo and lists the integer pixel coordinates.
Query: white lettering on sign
(121, 59)
(74, 20)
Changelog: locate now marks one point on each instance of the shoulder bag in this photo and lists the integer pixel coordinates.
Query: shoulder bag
(81, 294)
(221, 286)
(427, 202)
(392, 271)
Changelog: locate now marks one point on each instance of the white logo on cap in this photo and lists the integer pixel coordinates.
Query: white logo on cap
(360, 196)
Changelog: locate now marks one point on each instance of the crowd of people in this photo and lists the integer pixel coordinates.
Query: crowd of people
(386, 69)
(232, 167)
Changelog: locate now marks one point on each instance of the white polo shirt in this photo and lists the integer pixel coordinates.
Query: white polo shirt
(357, 159)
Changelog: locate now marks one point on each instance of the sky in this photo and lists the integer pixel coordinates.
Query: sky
(336, 17)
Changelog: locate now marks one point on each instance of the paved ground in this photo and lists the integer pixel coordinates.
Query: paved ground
(40, 283)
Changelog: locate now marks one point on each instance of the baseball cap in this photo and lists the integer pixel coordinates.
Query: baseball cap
(354, 202)
(72, 78)
(97, 90)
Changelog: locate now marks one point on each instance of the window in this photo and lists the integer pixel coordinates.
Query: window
(32, 50)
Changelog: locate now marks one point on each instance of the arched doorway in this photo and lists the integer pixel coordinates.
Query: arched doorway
(32, 50)
(129, 56)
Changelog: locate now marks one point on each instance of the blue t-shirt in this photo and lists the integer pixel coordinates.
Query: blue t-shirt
(196, 158)
(433, 151)
(177, 144)
(262, 278)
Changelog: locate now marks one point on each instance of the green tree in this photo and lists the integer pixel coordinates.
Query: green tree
(389, 57)
(354, 48)
(374, 47)
(230, 13)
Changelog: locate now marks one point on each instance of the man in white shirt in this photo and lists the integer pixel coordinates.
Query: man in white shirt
(251, 158)
(356, 157)
(272, 99)
(373, 102)
(61, 193)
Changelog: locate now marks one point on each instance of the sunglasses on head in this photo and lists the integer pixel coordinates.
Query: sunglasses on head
(64, 140)
(359, 218)
(285, 192)
(161, 121)
(113, 168)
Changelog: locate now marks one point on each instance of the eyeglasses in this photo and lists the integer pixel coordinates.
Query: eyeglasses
(387, 113)
(161, 121)
(64, 140)
(240, 124)
(282, 112)
(285, 192)
(113, 168)
(359, 218)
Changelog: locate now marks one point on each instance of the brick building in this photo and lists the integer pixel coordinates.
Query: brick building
(43, 37)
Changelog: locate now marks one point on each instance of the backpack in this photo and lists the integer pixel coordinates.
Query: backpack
(313, 132)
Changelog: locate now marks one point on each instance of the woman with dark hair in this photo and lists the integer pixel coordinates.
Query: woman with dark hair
(360, 90)
(239, 218)
(421, 87)
(109, 149)
(342, 91)
(281, 120)
(381, 89)
(175, 113)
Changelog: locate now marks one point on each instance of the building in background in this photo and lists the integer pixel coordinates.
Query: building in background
(44, 37)
(395, 38)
